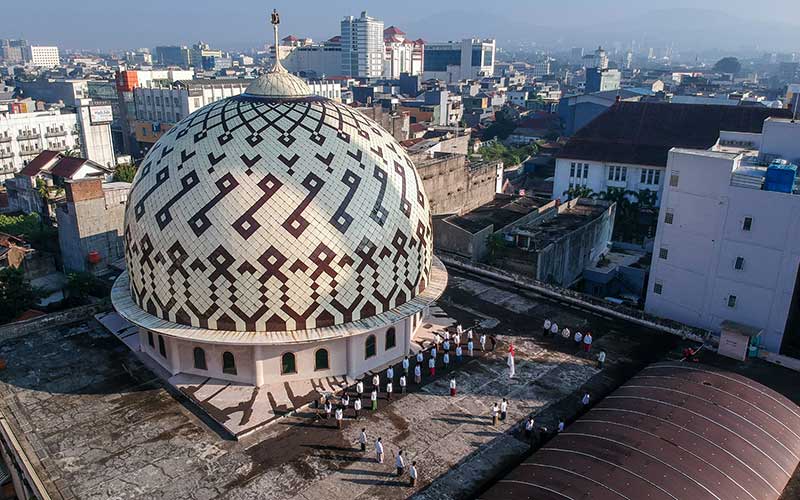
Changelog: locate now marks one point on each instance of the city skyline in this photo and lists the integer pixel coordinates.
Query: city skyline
(578, 23)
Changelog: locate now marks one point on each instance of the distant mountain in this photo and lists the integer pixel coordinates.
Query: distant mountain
(699, 29)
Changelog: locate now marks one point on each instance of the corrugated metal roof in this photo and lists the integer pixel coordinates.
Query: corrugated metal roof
(675, 431)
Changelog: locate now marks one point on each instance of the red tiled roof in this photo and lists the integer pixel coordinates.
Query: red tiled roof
(66, 167)
(393, 30)
(37, 164)
(417, 127)
(392, 39)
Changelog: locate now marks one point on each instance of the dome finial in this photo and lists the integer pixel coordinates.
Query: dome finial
(275, 20)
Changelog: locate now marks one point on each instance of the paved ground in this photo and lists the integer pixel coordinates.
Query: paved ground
(105, 427)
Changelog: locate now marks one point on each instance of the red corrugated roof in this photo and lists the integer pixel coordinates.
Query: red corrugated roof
(37, 164)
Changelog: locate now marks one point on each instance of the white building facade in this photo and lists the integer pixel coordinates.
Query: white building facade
(599, 176)
(362, 46)
(726, 248)
(41, 56)
(455, 61)
(24, 135)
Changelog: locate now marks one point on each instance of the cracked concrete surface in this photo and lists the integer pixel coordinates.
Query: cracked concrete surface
(101, 425)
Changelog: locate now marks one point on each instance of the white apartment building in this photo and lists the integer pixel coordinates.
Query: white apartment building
(727, 246)
(362, 46)
(402, 55)
(24, 135)
(41, 56)
(319, 59)
(455, 61)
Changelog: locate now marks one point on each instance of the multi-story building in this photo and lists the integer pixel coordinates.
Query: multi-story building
(455, 61)
(203, 56)
(11, 50)
(402, 55)
(727, 247)
(24, 135)
(41, 56)
(180, 56)
(90, 224)
(600, 80)
(626, 146)
(66, 91)
(362, 46)
(311, 59)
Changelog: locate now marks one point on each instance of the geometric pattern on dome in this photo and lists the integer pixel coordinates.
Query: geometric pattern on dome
(276, 215)
(278, 84)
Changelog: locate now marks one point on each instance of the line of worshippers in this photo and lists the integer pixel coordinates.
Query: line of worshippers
(447, 350)
(583, 341)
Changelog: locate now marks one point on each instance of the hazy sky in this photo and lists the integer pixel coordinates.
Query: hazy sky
(242, 23)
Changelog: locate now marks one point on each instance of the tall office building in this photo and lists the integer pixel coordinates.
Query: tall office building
(455, 61)
(362, 46)
(174, 56)
(11, 50)
(39, 55)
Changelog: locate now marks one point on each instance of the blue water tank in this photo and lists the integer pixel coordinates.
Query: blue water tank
(780, 176)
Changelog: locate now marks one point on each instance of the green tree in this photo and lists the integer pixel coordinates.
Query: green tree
(48, 194)
(728, 65)
(579, 192)
(71, 153)
(16, 294)
(125, 172)
(80, 285)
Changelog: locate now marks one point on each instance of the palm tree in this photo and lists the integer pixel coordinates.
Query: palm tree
(69, 152)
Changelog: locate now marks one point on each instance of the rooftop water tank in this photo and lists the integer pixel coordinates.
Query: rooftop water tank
(780, 176)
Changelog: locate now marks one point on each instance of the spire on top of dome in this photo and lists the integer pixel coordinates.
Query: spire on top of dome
(277, 82)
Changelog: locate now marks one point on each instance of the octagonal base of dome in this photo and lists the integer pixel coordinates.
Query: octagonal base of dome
(257, 358)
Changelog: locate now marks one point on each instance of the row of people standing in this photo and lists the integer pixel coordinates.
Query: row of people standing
(582, 340)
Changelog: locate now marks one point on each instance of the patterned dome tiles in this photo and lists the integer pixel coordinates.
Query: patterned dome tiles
(268, 215)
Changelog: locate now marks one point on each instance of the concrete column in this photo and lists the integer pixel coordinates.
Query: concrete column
(350, 347)
(258, 365)
(173, 354)
(407, 334)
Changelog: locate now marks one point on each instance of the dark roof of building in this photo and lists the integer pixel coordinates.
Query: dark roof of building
(67, 166)
(500, 212)
(38, 163)
(643, 132)
(676, 430)
(393, 30)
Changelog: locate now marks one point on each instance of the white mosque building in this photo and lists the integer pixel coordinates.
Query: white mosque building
(276, 236)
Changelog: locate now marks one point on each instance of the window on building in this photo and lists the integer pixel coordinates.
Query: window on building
(656, 177)
(228, 363)
(739, 264)
(674, 178)
(391, 338)
(669, 216)
(747, 224)
(585, 170)
(658, 288)
(288, 364)
(369, 347)
(731, 300)
(662, 253)
(321, 360)
(572, 169)
(162, 348)
(150, 339)
(200, 358)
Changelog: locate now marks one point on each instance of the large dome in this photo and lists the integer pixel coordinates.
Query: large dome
(276, 211)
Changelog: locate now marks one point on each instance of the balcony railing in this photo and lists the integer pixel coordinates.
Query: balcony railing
(6, 154)
(5, 139)
(55, 133)
(27, 137)
(30, 152)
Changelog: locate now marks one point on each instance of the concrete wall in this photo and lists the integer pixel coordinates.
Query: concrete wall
(453, 186)
(448, 237)
(20, 328)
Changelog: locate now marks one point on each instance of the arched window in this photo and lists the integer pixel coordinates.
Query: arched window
(288, 364)
(200, 359)
(369, 347)
(162, 348)
(150, 339)
(321, 360)
(228, 363)
(391, 338)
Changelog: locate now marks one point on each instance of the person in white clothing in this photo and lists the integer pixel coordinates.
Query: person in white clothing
(587, 342)
(459, 330)
(362, 439)
(379, 450)
(389, 389)
(529, 427)
(345, 401)
(469, 334)
(390, 373)
(412, 474)
(457, 339)
(432, 366)
(446, 359)
(566, 334)
(434, 353)
(417, 374)
(447, 334)
(400, 463)
(483, 342)
(470, 347)
(546, 328)
(554, 329)
(402, 384)
(376, 381)
(452, 386)
(560, 425)
(601, 359)
(360, 388)
(357, 407)
(578, 339)
(495, 413)
(585, 400)
(437, 339)
(420, 357)
(339, 416)
(374, 398)
(405, 365)
(503, 409)
(446, 346)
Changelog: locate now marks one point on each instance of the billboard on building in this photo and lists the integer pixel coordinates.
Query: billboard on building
(100, 115)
